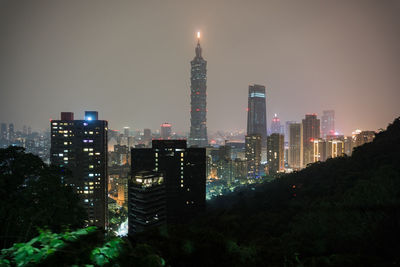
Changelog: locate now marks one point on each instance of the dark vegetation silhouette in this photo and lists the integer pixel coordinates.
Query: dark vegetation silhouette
(32, 198)
(342, 212)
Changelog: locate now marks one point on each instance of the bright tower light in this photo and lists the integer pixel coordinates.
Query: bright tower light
(198, 35)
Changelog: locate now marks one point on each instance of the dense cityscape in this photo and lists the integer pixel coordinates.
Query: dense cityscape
(129, 191)
(231, 160)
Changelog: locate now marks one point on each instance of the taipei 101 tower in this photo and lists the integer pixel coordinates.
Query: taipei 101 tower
(198, 103)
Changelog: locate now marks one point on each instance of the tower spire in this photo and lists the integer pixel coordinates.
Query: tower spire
(198, 47)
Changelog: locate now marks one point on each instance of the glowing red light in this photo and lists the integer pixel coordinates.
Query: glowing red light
(197, 93)
(247, 109)
(197, 109)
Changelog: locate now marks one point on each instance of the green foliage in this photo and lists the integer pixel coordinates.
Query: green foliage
(108, 253)
(40, 248)
(32, 197)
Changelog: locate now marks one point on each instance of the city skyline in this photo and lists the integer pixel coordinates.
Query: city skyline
(136, 72)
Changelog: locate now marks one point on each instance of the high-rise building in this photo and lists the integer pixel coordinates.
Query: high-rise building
(147, 137)
(81, 147)
(147, 204)
(253, 155)
(334, 148)
(276, 125)
(11, 133)
(126, 131)
(287, 130)
(275, 146)
(256, 111)
(165, 131)
(184, 171)
(3, 131)
(198, 96)
(319, 150)
(327, 123)
(363, 137)
(311, 132)
(348, 145)
(295, 146)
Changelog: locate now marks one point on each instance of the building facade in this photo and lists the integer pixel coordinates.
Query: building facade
(275, 153)
(295, 158)
(198, 99)
(327, 123)
(147, 203)
(311, 132)
(256, 111)
(276, 125)
(80, 146)
(253, 155)
(166, 130)
(184, 171)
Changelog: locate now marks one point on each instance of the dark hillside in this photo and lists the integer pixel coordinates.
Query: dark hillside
(345, 211)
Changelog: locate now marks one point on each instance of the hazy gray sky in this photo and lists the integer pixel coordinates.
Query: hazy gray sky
(130, 60)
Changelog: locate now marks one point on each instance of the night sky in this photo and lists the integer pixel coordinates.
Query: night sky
(130, 60)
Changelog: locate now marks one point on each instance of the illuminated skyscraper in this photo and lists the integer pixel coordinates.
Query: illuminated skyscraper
(184, 172)
(311, 132)
(276, 125)
(327, 123)
(295, 146)
(147, 206)
(81, 147)
(364, 137)
(165, 130)
(319, 150)
(198, 97)
(275, 145)
(11, 133)
(256, 112)
(253, 155)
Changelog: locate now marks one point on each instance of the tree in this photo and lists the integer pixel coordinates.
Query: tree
(32, 197)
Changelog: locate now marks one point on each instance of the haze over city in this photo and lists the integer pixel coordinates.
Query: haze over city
(130, 60)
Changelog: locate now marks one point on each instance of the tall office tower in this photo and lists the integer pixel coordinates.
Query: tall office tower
(364, 137)
(81, 147)
(147, 134)
(319, 150)
(253, 155)
(3, 131)
(311, 132)
(287, 130)
(198, 96)
(256, 111)
(275, 145)
(334, 148)
(126, 131)
(165, 130)
(276, 125)
(327, 123)
(348, 145)
(184, 171)
(295, 146)
(146, 197)
(11, 133)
